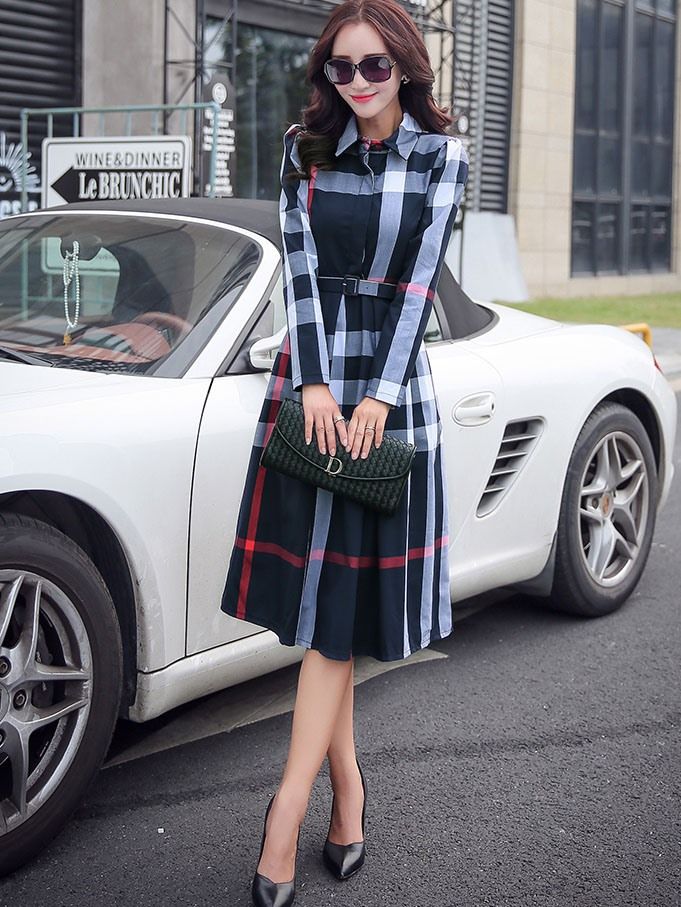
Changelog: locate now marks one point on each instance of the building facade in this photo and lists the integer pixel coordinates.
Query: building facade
(595, 149)
(570, 110)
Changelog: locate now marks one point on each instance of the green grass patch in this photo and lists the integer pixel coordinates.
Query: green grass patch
(658, 310)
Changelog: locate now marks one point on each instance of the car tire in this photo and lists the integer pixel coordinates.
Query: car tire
(607, 514)
(60, 682)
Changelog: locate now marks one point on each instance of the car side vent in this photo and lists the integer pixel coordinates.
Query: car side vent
(520, 438)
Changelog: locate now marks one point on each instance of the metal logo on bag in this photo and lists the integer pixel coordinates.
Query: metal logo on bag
(334, 472)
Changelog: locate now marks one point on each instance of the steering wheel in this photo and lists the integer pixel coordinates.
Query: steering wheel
(178, 325)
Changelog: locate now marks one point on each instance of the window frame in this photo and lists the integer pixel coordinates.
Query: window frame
(626, 200)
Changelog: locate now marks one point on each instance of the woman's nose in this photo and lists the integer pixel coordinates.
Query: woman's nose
(359, 82)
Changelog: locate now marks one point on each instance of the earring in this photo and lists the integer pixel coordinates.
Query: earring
(404, 79)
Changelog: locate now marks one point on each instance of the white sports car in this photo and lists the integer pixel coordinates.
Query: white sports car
(135, 346)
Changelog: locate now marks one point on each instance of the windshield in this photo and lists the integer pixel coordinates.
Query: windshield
(114, 292)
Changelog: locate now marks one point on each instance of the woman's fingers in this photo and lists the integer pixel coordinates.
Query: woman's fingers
(330, 433)
(320, 431)
(309, 424)
(325, 432)
(342, 428)
(359, 438)
(324, 422)
(368, 440)
(323, 418)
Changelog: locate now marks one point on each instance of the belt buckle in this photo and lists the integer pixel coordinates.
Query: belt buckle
(354, 291)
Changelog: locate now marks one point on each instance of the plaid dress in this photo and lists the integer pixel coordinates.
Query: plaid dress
(319, 570)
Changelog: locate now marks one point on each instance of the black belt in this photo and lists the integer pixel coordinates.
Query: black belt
(352, 285)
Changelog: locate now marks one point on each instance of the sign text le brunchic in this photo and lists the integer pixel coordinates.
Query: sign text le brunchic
(101, 169)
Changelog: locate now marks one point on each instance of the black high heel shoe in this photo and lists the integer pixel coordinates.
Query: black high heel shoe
(344, 860)
(264, 891)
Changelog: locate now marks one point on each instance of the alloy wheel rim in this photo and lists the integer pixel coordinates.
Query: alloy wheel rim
(45, 691)
(613, 508)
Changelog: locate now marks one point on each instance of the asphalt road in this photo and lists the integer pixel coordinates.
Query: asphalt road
(536, 763)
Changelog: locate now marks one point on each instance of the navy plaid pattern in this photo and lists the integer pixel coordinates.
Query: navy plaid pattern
(429, 171)
(318, 569)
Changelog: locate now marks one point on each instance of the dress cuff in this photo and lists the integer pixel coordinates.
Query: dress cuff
(298, 381)
(387, 391)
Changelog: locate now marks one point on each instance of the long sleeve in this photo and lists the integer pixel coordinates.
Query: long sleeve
(407, 318)
(309, 351)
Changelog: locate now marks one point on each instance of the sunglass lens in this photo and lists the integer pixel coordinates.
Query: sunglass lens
(375, 69)
(338, 71)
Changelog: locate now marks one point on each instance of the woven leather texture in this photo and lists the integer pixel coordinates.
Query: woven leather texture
(376, 482)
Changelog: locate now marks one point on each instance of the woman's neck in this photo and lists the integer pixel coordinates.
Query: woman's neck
(382, 125)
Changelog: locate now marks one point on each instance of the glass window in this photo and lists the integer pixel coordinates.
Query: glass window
(663, 96)
(586, 94)
(270, 93)
(660, 235)
(608, 238)
(643, 50)
(614, 233)
(143, 284)
(610, 69)
(609, 166)
(640, 167)
(585, 163)
(582, 238)
(639, 232)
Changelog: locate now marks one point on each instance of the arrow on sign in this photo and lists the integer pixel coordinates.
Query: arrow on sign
(90, 185)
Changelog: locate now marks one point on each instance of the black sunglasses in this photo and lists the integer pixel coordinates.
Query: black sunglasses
(374, 69)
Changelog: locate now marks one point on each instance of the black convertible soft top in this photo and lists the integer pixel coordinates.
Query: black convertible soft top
(259, 215)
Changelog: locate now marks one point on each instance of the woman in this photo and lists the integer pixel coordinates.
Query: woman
(370, 188)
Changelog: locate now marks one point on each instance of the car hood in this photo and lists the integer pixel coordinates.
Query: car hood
(23, 385)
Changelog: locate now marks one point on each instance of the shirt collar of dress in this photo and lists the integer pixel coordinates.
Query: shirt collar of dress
(402, 140)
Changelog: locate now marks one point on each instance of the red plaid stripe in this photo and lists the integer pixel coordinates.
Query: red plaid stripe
(339, 557)
(249, 543)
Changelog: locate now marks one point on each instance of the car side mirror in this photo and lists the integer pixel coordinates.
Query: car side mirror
(262, 353)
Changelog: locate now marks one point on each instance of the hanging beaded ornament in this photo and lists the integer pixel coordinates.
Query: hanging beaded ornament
(71, 275)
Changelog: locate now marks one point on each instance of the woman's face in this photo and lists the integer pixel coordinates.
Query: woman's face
(353, 42)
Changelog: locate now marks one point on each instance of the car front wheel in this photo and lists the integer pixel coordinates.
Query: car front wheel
(60, 682)
(607, 515)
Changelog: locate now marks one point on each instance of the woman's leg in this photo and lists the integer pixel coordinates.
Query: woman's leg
(346, 819)
(322, 683)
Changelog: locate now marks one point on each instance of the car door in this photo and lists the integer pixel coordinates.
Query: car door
(466, 385)
(224, 446)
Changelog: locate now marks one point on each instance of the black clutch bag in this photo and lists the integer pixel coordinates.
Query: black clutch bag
(376, 482)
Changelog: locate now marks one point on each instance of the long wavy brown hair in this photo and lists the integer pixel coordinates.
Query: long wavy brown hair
(326, 114)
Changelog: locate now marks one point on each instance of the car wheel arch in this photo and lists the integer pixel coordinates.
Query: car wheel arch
(644, 410)
(641, 407)
(94, 535)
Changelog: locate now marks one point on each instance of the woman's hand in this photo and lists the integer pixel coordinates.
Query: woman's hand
(370, 413)
(323, 416)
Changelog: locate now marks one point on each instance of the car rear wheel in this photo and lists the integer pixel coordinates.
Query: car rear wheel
(607, 515)
(60, 682)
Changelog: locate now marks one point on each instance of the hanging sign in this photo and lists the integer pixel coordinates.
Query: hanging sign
(86, 169)
(221, 91)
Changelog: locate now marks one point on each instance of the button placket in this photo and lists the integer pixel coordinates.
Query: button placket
(365, 161)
